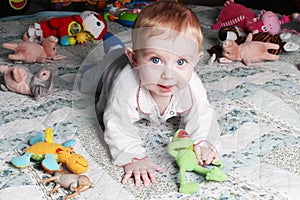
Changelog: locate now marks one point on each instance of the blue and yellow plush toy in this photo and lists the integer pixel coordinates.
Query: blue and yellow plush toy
(51, 154)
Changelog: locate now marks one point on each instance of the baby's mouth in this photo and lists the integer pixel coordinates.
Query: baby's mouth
(165, 88)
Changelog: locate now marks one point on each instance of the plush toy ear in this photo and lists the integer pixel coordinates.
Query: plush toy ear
(16, 74)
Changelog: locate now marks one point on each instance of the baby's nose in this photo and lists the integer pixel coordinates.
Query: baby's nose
(167, 73)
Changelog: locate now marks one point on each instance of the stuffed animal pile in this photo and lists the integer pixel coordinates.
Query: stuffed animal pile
(235, 22)
(39, 45)
(89, 21)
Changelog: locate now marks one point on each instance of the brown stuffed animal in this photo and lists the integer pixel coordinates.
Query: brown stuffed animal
(30, 52)
(249, 51)
(74, 182)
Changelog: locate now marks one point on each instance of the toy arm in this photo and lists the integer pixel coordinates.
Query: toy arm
(247, 61)
(57, 57)
(249, 37)
(175, 146)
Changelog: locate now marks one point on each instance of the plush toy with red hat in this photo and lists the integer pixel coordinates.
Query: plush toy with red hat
(89, 21)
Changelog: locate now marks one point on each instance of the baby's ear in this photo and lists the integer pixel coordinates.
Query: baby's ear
(131, 56)
(199, 56)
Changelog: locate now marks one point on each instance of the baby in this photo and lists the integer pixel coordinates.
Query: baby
(157, 82)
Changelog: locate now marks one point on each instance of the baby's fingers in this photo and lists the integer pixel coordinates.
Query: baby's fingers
(152, 177)
(211, 159)
(216, 159)
(137, 179)
(145, 178)
(126, 176)
(158, 168)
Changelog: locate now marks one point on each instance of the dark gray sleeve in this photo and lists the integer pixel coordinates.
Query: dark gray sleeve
(118, 60)
(92, 73)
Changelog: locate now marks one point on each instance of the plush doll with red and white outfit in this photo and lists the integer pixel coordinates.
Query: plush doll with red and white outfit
(70, 25)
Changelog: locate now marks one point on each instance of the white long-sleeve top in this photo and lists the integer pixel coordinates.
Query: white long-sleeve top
(130, 102)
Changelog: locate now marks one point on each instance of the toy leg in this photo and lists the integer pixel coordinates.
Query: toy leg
(49, 163)
(10, 46)
(37, 138)
(54, 189)
(21, 161)
(272, 45)
(272, 57)
(16, 57)
(69, 143)
(49, 179)
(77, 190)
(201, 170)
(186, 188)
(216, 174)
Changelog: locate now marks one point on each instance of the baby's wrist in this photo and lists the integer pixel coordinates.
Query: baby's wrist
(135, 160)
(205, 144)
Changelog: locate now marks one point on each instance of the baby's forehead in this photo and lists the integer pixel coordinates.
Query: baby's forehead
(140, 35)
(165, 39)
(162, 53)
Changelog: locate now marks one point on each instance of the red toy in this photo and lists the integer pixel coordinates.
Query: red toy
(70, 25)
(234, 14)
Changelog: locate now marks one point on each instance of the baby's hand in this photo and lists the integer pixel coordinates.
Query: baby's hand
(206, 154)
(141, 170)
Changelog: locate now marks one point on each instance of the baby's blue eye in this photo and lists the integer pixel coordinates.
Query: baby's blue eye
(181, 62)
(155, 60)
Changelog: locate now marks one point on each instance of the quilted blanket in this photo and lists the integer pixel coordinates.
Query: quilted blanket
(258, 112)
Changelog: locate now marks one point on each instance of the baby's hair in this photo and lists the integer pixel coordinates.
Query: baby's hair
(170, 15)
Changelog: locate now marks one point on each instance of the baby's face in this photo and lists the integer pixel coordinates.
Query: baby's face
(165, 61)
(162, 72)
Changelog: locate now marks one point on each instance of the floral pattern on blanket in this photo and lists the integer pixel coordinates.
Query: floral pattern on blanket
(258, 111)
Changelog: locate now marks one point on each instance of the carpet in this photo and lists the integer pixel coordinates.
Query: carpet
(257, 107)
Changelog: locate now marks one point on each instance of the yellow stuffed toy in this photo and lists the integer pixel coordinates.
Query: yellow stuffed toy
(51, 154)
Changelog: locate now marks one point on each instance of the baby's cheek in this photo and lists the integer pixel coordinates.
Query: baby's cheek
(183, 79)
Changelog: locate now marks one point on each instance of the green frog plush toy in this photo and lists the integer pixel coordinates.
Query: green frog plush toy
(181, 148)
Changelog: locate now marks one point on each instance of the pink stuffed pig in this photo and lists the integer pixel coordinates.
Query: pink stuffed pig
(272, 22)
(30, 52)
(249, 51)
